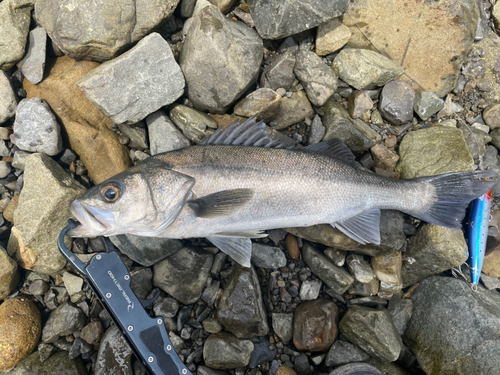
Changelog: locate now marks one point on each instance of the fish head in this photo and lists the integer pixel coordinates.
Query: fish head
(143, 200)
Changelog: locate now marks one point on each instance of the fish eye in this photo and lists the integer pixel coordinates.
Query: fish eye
(110, 193)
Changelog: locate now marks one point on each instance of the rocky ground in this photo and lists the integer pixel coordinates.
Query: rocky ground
(89, 89)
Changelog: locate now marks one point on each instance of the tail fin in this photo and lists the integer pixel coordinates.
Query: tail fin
(453, 192)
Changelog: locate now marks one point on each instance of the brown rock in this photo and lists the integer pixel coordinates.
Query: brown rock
(86, 129)
(20, 329)
(285, 370)
(9, 276)
(294, 109)
(491, 264)
(8, 213)
(315, 325)
(391, 141)
(263, 103)
(226, 120)
(358, 103)
(292, 246)
(387, 267)
(384, 158)
(429, 40)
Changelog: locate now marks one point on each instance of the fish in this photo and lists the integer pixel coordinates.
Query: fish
(243, 180)
(479, 218)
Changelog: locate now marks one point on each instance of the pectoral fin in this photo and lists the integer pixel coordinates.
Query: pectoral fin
(363, 228)
(238, 248)
(223, 203)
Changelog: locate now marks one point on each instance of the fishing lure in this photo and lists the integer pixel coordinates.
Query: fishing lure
(478, 233)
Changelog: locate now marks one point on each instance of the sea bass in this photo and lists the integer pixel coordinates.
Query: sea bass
(243, 181)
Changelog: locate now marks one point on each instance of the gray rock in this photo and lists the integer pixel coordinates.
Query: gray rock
(336, 256)
(166, 307)
(186, 8)
(100, 30)
(343, 352)
(490, 282)
(92, 332)
(317, 78)
(444, 309)
(163, 134)
(365, 290)
(212, 325)
(263, 103)
(63, 321)
(47, 192)
(432, 250)
(369, 301)
(220, 60)
(357, 368)
(294, 109)
(15, 18)
(396, 102)
(335, 277)
(219, 262)
(360, 268)
(72, 283)
(331, 36)
(302, 366)
(356, 134)
(373, 331)
(8, 101)
(400, 310)
(9, 274)
(241, 309)
(224, 351)
(279, 74)
(283, 326)
(136, 133)
(475, 137)
(261, 352)
(317, 131)
(210, 293)
(204, 370)
(146, 250)
(114, 354)
(365, 69)
(359, 103)
(39, 287)
(309, 290)
(195, 125)
(277, 19)
(266, 256)
(137, 83)
(36, 128)
(491, 115)
(140, 282)
(427, 104)
(5, 169)
(33, 63)
(58, 363)
(183, 274)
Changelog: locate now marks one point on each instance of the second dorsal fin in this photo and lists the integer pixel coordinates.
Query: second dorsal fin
(335, 149)
(248, 133)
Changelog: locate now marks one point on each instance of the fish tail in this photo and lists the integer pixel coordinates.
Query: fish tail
(450, 194)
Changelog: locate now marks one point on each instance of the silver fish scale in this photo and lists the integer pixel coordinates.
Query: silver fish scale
(292, 188)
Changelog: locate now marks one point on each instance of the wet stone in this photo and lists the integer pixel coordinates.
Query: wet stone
(331, 36)
(212, 325)
(261, 352)
(373, 331)
(210, 293)
(183, 274)
(92, 332)
(224, 351)
(302, 366)
(140, 282)
(359, 268)
(369, 301)
(263, 103)
(266, 256)
(387, 267)
(400, 310)
(317, 78)
(211, 88)
(278, 19)
(335, 277)
(63, 321)
(36, 128)
(164, 136)
(358, 103)
(33, 63)
(315, 325)
(145, 250)
(165, 307)
(343, 352)
(396, 102)
(195, 125)
(283, 326)
(241, 309)
(365, 69)
(114, 354)
(427, 104)
(279, 74)
(309, 290)
(153, 80)
(336, 256)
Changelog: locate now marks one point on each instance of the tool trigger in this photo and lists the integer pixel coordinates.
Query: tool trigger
(147, 302)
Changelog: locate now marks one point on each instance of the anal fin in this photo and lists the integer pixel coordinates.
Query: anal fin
(222, 203)
(363, 228)
(238, 248)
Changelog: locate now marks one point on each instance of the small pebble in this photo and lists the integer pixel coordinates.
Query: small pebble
(292, 246)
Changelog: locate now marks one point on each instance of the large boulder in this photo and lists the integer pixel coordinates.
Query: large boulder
(220, 60)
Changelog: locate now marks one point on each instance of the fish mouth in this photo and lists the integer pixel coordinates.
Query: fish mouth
(89, 226)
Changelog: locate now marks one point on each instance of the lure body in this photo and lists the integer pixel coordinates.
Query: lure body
(478, 233)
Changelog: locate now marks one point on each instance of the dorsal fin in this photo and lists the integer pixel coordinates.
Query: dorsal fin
(248, 133)
(335, 149)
